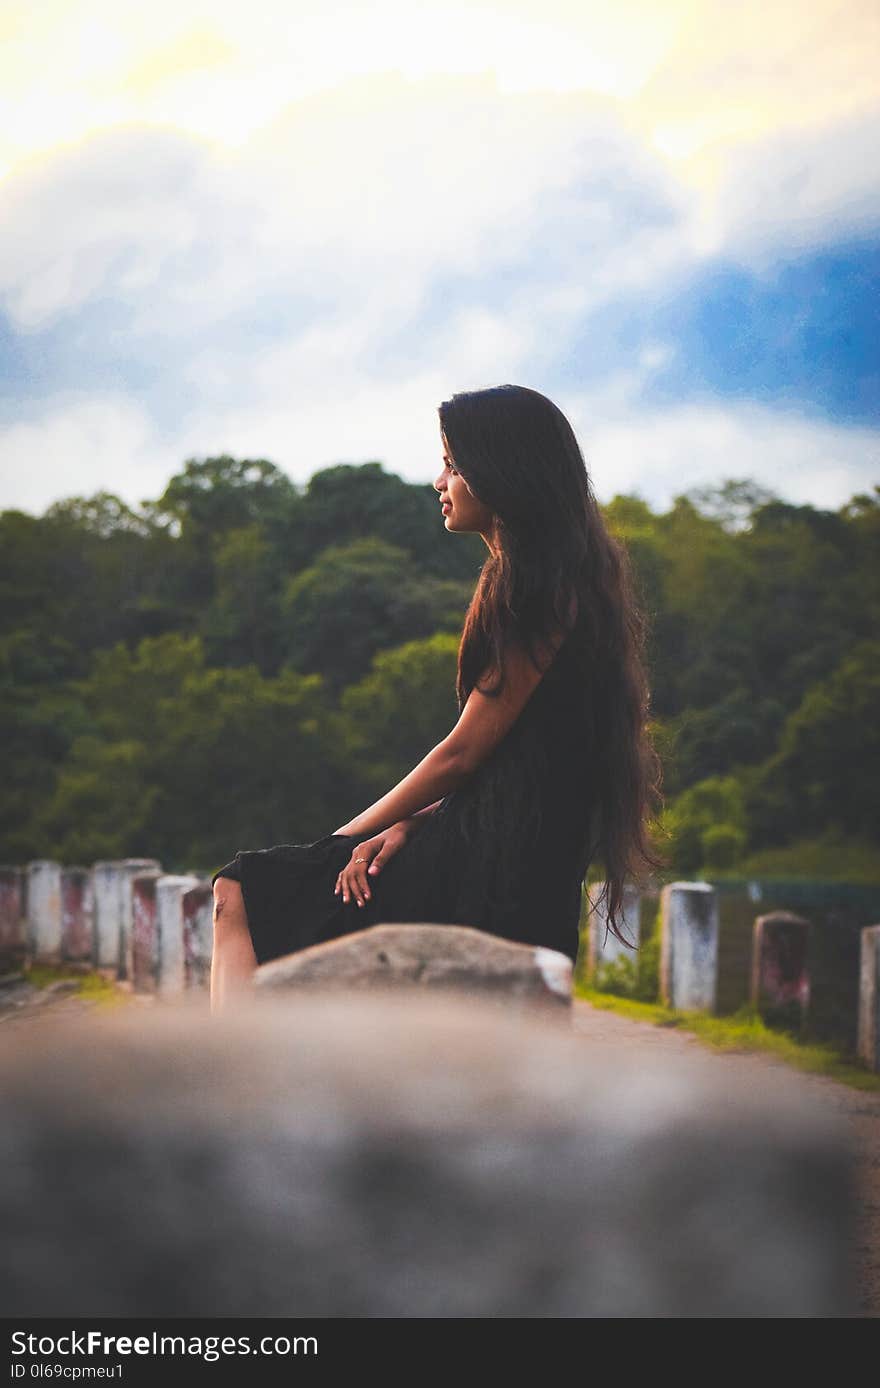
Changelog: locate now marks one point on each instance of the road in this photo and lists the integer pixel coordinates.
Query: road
(860, 1110)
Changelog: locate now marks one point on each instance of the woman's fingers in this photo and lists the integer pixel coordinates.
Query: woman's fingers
(358, 883)
(352, 880)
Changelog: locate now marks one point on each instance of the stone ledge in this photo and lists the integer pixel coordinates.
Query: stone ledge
(406, 1155)
(451, 957)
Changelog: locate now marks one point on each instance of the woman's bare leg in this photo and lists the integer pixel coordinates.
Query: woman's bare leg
(233, 960)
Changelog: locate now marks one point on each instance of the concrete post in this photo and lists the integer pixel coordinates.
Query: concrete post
(198, 935)
(869, 997)
(143, 959)
(77, 914)
(44, 909)
(131, 868)
(106, 890)
(13, 934)
(112, 941)
(607, 949)
(689, 946)
(780, 981)
(171, 973)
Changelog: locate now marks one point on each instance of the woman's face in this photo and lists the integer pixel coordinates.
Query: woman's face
(461, 509)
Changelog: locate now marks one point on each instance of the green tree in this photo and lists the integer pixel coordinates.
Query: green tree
(400, 710)
(732, 503)
(736, 730)
(102, 803)
(241, 625)
(187, 763)
(345, 502)
(359, 599)
(826, 769)
(695, 819)
(221, 493)
(41, 716)
(246, 762)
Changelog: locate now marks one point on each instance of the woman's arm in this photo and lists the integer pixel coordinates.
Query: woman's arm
(414, 821)
(442, 770)
(483, 722)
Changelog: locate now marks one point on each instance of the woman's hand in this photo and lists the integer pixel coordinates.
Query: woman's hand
(373, 853)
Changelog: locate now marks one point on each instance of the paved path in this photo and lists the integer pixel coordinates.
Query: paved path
(860, 1109)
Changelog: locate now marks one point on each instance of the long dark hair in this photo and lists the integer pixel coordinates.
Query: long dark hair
(554, 567)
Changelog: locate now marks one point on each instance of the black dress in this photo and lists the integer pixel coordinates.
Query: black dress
(506, 853)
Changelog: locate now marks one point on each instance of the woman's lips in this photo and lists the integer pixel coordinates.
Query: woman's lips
(445, 507)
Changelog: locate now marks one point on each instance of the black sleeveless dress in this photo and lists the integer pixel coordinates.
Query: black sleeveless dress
(506, 853)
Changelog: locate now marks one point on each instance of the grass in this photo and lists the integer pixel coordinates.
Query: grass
(743, 1031)
(91, 984)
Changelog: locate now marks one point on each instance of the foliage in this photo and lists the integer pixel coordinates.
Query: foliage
(403, 707)
(246, 661)
(829, 857)
(743, 1031)
(647, 985)
(825, 767)
(707, 824)
(616, 976)
(358, 599)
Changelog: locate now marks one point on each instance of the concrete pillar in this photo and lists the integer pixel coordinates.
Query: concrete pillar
(171, 973)
(13, 933)
(869, 997)
(44, 909)
(605, 948)
(143, 958)
(106, 890)
(780, 981)
(198, 935)
(110, 882)
(77, 914)
(689, 945)
(131, 868)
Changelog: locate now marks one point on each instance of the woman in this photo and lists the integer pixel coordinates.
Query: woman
(550, 762)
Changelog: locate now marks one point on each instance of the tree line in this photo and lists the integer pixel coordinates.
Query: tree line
(246, 661)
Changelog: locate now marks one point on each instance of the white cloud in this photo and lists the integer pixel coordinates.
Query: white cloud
(104, 218)
(81, 446)
(795, 191)
(369, 192)
(315, 288)
(664, 452)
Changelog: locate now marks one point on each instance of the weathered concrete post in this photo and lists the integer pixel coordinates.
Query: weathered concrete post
(77, 913)
(198, 935)
(131, 868)
(13, 933)
(44, 909)
(689, 945)
(869, 997)
(110, 881)
(171, 967)
(143, 959)
(105, 887)
(607, 949)
(780, 981)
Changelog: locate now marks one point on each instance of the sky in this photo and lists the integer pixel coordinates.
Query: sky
(289, 230)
